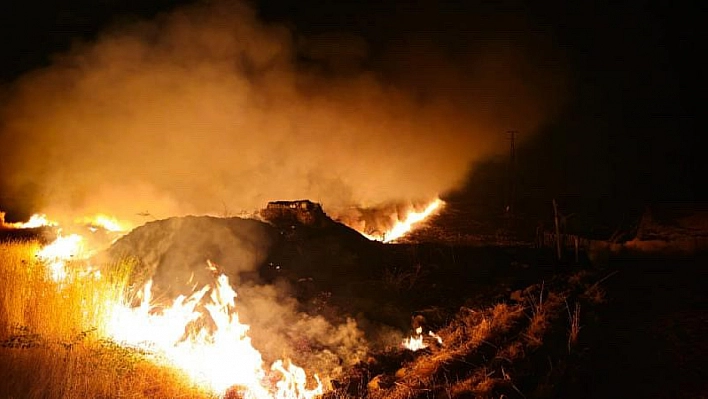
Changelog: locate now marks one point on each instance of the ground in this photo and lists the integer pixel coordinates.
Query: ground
(515, 321)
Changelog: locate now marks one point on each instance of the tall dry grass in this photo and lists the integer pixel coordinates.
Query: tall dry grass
(52, 344)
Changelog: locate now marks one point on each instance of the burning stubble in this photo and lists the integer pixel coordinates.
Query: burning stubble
(207, 110)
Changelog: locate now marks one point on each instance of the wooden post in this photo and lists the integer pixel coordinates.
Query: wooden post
(555, 219)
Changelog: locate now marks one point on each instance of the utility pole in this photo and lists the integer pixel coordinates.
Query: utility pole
(511, 193)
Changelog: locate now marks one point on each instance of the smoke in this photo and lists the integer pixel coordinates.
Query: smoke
(279, 330)
(173, 253)
(208, 110)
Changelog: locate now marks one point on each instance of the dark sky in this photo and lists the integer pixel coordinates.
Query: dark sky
(629, 131)
(629, 126)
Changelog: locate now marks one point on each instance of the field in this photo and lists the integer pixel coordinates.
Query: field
(512, 323)
(51, 344)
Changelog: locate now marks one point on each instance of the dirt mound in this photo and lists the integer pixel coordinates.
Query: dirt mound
(174, 252)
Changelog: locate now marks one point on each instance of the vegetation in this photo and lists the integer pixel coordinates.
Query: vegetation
(51, 345)
(527, 346)
(524, 346)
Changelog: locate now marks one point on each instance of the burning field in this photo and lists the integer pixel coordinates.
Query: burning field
(208, 109)
(292, 304)
(287, 305)
(213, 200)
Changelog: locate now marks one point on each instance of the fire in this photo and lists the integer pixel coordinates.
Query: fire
(98, 221)
(218, 357)
(61, 250)
(105, 222)
(68, 247)
(403, 227)
(199, 334)
(417, 342)
(36, 220)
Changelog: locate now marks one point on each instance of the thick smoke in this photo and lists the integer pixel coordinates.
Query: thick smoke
(208, 110)
(326, 347)
(173, 254)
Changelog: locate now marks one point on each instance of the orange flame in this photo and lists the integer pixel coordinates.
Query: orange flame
(417, 342)
(216, 358)
(211, 346)
(61, 250)
(105, 222)
(403, 227)
(36, 220)
(68, 247)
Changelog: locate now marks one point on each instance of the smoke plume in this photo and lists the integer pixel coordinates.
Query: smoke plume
(208, 110)
(173, 254)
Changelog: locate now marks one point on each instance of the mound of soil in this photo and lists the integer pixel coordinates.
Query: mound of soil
(173, 252)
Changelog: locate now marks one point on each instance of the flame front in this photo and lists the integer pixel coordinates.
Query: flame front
(403, 227)
(61, 250)
(217, 355)
(199, 334)
(36, 220)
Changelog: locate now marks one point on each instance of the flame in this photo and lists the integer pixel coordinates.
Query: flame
(100, 220)
(35, 221)
(417, 342)
(403, 227)
(72, 246)
(199, 334)
(108, 223)
(218, 357)
(61, 250)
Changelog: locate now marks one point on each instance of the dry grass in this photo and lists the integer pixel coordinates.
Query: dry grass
(50, 336)
(574, 321)
(88, 370)
(467, 340)
(403, 279)
(520, 349)
(33, 302)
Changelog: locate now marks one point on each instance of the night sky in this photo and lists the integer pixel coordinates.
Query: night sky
(626, 133)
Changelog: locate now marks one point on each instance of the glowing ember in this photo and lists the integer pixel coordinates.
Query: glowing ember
(63, 249)
(217, 357)
(401, 228)
(36, 220)
(417, 342)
